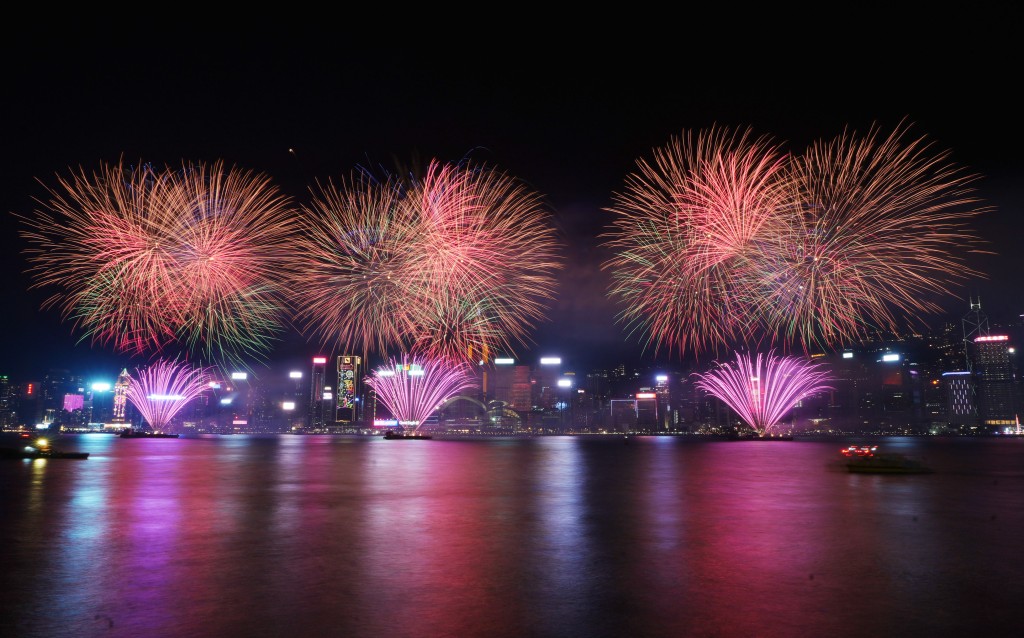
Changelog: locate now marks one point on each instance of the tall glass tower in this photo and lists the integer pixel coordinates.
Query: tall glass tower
(317, 417)
(121, 395)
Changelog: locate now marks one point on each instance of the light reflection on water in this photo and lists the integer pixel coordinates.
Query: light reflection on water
(554, 536)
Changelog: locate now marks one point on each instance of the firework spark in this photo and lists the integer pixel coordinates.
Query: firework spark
(412, 389)
(485, 272)
(764, 389)
(882, 232)
(352, 265)
(161, 390)
(145, 259)
(687, 233)
(454, 264)
(725, 239)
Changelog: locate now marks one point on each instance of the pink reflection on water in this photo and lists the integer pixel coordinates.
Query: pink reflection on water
(438, 557)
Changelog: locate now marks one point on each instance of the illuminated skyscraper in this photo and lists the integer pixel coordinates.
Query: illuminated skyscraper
(510, 384)
(545, 383)
(993, 374)
(121, 396)
(316, 414)
(8, 411)
(647, 411)
(348, 391)
(961, 412)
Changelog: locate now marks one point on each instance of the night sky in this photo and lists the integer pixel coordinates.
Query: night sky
(570, 123)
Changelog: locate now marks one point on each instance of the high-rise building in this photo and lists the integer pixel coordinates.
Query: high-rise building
(348, 391)
(317, 413)
(545, 392)
(510, 384)
(961, 412)
(8, 409)
(994, 378)
(121, 396)
(647, 410)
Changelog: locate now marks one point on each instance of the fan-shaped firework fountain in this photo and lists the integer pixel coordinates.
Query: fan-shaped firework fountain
(764, 389)
(161, 390)
(412, 389)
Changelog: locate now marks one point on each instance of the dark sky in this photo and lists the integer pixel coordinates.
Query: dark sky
(571, 122)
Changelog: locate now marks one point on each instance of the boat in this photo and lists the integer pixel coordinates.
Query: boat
(41, 449)
(391, 434)
(140, 434)
(867, 459)
(753, 436)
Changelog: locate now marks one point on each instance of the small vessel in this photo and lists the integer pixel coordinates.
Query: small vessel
(391, 434)
(40, 449)
(866, 459)
(142, 434)
(854, 451)
(754, 436)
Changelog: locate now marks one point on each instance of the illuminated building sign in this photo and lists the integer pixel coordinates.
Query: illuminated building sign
(550, 361)
(73, 402)
(646, 395)
(504, 361)
(991, 338)
(239, 375)
(100, 386)
(348, 387)
(847, 355)
(288, 405)
(565, 383)
(319, 360)
(294, 375)
(890, 357)
(661, 378)
(383, 423)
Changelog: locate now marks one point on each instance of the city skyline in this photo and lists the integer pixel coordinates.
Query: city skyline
(568, 136)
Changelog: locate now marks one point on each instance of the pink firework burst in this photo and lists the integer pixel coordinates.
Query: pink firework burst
(485, 271)
(687, 235)
(882, 233)
(762, 390)
(160, 391)
(413, 388)
(144, 260)
(454, 264)
(353, 266)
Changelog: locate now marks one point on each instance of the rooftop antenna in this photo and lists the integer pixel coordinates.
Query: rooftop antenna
(975, 324)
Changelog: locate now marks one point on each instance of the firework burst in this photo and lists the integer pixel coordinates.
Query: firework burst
(764, 389)
(687, 233)
(145, 260)
(724, 239)
(881, 232)
(485, 272)
(412, 388)
(452, 264)
(352, 268)
(160, 391)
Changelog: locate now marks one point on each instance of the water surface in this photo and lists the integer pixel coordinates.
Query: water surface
(549, 536)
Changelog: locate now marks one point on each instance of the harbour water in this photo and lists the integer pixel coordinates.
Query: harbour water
(550, 536)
